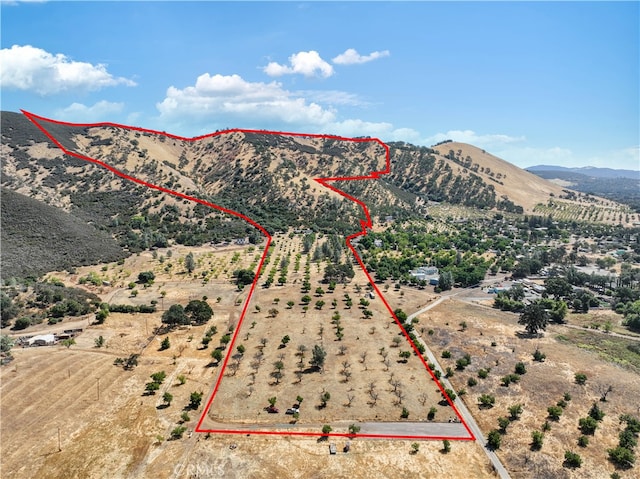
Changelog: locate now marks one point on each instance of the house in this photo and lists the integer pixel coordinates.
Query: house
(42, 340)
(425, 273)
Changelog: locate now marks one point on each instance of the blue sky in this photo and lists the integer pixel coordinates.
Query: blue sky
(533, 83)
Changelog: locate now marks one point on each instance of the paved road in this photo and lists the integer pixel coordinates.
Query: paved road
(462, 408)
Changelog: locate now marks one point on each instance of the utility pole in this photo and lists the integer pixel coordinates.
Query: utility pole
(98, 384)
(59, 442)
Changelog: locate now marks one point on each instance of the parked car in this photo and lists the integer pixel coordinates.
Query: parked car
(293, 410)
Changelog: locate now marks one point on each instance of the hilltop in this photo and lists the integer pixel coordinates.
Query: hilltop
(270, 178)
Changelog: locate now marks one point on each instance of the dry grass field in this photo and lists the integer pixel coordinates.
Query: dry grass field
(73, 413)
(543, 385)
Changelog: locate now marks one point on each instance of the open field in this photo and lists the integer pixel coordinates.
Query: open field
(543, 385)
(109, 427)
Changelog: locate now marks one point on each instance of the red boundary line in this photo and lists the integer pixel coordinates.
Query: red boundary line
(365, 224)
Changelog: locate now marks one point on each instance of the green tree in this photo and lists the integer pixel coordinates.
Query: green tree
(101, 315)
(446, 446)
(486, 400)
(503, 423)
(572, 460)
(198, 312)
(534, 317)
(146, 277)
(175, 316)
(318, 356)
(217, 355)
(8, 309)
(324, 398)
(189, 263)
(415, 447)
(194, 400)
(580, 378)
(167, 398)
(152, 387)
(494, 439)
(595, 412)
(159, 377)
(554, 412)
(622, 457)
(588, 425)
(68, 342)
(537, 438)
(6, 343)
(178, 432)
(326, 429)
(445, 281)
(515, 411)
(165, 344)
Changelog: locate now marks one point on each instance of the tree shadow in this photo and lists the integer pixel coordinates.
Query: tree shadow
(528, 335)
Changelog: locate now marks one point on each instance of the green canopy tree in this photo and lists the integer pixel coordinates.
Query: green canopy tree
(534, 317)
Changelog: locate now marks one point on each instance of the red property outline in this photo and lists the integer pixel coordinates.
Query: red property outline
(364, 223)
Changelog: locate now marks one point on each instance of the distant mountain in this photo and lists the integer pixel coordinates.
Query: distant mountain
(622, 186)
(591, 171)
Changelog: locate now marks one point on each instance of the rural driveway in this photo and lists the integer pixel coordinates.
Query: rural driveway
(462, 408)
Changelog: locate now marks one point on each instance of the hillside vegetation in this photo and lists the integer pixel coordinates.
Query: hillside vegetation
(269, 178)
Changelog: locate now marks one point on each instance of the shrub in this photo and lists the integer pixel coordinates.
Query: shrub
(588, 425)
(432, 413)
(486, 400)
(537, 438)
(581, 378)
(520, 368)
(622, 457)
(596, 413)
(539, 356)
(572, 460)
(515, 411)
(554, 412)
(583, 441)
(494, 439)
(178, 432)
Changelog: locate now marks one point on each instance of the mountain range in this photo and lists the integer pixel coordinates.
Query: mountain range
(590, 171)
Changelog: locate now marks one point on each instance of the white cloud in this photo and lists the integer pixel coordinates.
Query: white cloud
(232, 99)
(331, 97)
(308, 64)
(79, 113)
(382, 130)
(352, 57)
(25, 67)
(470, 136)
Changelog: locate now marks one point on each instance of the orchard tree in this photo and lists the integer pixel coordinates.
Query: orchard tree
(189, 263)
(318, 356)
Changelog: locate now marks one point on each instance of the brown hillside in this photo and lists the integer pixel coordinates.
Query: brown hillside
(522, 187)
